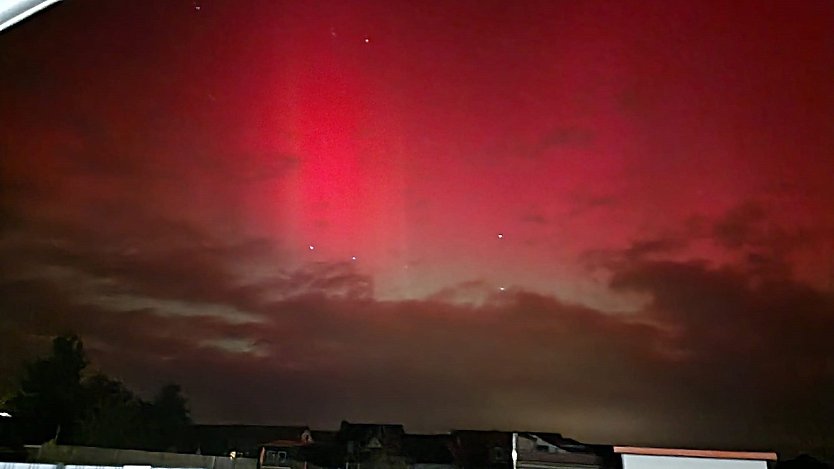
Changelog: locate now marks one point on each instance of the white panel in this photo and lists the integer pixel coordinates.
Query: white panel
(23, 465)
(85, 466)
(640, 461)
(12, 11)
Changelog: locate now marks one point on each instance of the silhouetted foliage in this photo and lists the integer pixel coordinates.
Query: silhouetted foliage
(54, 400)
(113, 417)
(46, 404)
(170, 417)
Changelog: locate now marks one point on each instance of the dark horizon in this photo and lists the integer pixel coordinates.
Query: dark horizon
(785, 453)
(610, 220)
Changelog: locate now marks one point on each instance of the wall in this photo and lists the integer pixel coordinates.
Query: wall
(635, 461)
(88, 456)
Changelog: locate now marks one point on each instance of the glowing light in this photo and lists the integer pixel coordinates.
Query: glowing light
(500, 235)
(515, 451)
(5, 414)
(13, 11)
(501, 288)
(353, 258)
(367, 40)
(311, 247)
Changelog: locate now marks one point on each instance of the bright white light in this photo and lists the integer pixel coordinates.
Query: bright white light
(367, 40)
(5, 414)
(85, 466)
(353, 258)
(13, 11)
(501, 288)
(26, 465)
(312, 248)
(500, 235)
(639, 461)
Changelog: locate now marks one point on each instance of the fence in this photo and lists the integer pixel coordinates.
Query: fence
(51, 456)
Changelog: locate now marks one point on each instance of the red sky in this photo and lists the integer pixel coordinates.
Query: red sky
(660, 174)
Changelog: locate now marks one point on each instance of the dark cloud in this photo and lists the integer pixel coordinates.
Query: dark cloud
(748, 335)
(745, 342)
(739, 225)
(752, 226)
(639, 250)
(316, 346)
(643, 248)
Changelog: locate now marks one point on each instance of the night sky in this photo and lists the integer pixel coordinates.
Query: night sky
(613, 220)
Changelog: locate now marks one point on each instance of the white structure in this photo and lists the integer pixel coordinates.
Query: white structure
(661, 458)
(12, 11)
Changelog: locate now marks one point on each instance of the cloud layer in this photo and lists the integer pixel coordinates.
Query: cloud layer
(717, 355)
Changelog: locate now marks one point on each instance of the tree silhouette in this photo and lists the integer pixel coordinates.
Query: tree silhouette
(46, 404)
(170, 417)
(114, 417)
(54, 401)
